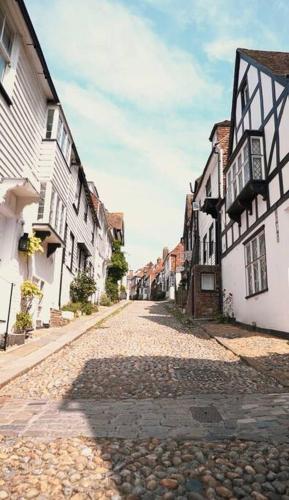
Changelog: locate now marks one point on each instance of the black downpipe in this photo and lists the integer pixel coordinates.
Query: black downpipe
(218, 233)
(8, 317)
(61, 278)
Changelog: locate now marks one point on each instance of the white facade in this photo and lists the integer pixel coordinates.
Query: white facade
(23, 103)
(43, 188)
(103, 243)
(255, 214)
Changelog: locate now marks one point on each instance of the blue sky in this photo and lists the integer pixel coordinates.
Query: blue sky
(142, 82)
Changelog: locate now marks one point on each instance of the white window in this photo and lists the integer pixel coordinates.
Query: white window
(208, 281)
(52, 207)
(41, 205)
(49, 123)
(6, 42)
(256, 267)
(63, 139)
(77, 193)
(257, 158)
(62, 226)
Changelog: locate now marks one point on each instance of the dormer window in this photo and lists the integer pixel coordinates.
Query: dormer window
(244, 94)
(6, 42)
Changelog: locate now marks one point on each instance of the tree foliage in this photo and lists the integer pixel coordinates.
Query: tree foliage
(117, 269)
(118, 265)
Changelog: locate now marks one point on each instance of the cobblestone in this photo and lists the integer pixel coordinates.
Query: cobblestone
(79, 468)
(144, 408)
(143, 352)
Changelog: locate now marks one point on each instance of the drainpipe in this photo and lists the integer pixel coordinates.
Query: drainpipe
(61, 277)
(8, 317)
(218, 151)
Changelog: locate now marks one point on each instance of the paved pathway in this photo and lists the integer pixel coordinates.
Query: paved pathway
(268, 354)
(142, 407)
(45, 342)
(259, 417)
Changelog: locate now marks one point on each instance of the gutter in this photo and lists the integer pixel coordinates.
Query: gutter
(37, 47)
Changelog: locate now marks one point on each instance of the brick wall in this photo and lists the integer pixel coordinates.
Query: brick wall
(56, 318)
(206, 303)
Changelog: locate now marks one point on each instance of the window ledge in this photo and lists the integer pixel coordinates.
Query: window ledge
(257, 293)
(5, 95)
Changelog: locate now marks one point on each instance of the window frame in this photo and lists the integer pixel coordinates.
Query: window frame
(211, 240)
(208, 188)
(201, 282)
(244, 94)
(71, 250)
(5, 52)
(77, 194)
(242, 168)
(255, 261)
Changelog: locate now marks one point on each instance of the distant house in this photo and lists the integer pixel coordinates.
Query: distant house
(172, 269)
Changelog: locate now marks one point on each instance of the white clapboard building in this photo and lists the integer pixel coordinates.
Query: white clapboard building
(255, 212)
(43, 188)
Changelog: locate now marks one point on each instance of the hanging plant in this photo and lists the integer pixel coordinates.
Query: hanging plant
(34, 245)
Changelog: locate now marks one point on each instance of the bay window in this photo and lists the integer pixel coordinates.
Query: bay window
(246, 174)
(256, 266)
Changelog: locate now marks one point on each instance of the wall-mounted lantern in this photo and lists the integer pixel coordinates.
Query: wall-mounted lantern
(23, 244)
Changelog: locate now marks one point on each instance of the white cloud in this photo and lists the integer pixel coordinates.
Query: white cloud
(165, 152)
(224, 49)
(105, 43)
(154, 220)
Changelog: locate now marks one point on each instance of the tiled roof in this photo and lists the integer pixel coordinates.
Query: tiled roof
(115, 220)
(96, 201)
(277, 62)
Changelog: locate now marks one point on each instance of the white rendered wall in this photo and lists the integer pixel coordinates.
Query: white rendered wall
(269, 309)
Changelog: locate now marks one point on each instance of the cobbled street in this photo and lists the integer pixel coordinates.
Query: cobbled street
(143, 407)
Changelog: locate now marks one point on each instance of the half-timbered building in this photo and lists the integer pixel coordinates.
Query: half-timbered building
(255, 212)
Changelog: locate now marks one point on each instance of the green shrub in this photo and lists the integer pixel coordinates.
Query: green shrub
(111, 288)
(23, 322)
(82, 287)
(74, 307)
(105, 300)
(87, 308)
